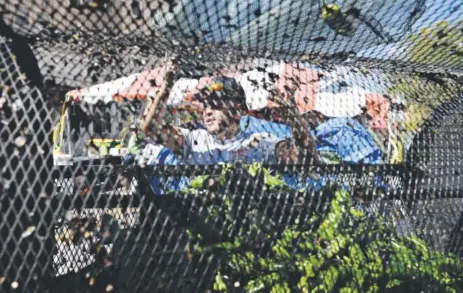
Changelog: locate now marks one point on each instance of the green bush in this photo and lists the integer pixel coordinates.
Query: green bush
(342, 250)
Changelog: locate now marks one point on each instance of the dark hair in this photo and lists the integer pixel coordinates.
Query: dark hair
(222, 91)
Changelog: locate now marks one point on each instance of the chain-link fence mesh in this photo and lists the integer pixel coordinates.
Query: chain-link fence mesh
(231, 146)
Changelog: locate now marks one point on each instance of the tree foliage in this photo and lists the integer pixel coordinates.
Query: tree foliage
(346, 249)
(349, 252)
(419, 95)
(440, 44)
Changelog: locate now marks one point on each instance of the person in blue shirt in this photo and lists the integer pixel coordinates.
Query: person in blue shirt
(223, 141)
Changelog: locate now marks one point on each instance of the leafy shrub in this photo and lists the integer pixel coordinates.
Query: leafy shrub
(344, 250)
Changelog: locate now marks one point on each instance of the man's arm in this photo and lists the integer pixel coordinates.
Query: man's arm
(153, 124)
(304, 149)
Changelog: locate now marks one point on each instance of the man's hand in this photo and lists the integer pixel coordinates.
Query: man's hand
(304, 149)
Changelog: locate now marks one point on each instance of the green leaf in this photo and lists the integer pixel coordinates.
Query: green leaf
(199, 182)
(255, 286)
(280, 288)
(356, 213)
(393, 283)
(254, 169)
(302, 283)
(219, 284)
(373, 289)
(318, 259)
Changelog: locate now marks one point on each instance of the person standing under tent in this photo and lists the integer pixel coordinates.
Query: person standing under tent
(136, 142)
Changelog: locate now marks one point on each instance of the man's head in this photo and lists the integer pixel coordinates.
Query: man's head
(224, 101)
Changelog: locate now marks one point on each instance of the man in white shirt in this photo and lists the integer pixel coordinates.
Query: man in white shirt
(223, 141)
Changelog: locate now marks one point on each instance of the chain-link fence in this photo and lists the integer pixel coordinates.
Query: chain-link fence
(231, 146)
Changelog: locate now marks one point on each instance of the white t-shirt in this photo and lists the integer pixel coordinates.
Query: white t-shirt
(202, 148)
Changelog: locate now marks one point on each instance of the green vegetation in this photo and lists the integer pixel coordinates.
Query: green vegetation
(422, 95)
(343, 249)
(440, 44)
